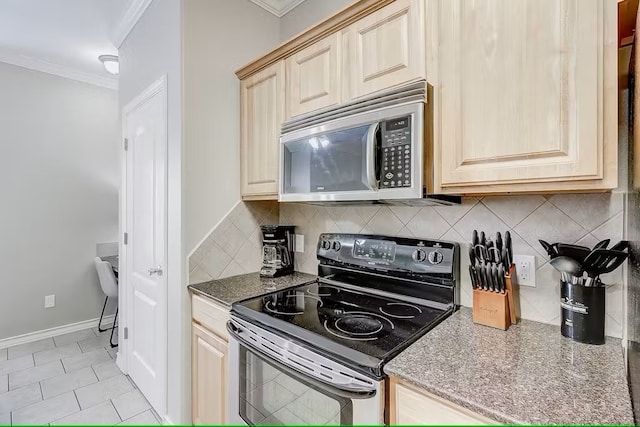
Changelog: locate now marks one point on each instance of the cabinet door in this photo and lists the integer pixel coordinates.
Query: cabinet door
(527, 95)
(386, 48)
(262, 113)
(313, 76)
(411, 407)
(209, 377)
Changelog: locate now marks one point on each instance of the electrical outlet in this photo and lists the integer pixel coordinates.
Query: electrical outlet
(300, 243)
(525, 270)
(49, 301)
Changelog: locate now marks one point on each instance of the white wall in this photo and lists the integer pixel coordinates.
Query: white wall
(59, 180)
(308, 14)
(154, 49)
(219, 37)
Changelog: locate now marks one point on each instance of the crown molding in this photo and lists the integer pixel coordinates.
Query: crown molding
(279, 11)
(128, 20)
(58, 70)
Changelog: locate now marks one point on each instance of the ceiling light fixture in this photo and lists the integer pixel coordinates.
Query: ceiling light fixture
(111, 63)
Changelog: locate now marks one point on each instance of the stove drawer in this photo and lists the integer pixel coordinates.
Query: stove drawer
(210, 315)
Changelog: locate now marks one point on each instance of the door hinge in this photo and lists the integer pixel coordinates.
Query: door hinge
(126, 238)
(126, 333)
(126, 144)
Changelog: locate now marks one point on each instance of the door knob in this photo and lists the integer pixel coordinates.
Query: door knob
(155, 270)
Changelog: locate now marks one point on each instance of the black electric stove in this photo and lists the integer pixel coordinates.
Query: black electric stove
(375, 295)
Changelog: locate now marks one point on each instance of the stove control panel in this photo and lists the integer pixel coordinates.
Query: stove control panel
(389, 253)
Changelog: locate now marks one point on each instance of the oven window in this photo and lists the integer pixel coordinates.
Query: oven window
(334, 161)
(269, 395)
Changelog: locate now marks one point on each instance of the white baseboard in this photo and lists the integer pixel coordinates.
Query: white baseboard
(53, 332)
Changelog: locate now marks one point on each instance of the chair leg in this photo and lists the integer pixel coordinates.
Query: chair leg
(102, 315)
(113, 328)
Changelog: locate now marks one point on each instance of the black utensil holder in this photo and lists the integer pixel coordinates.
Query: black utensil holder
(583, 312)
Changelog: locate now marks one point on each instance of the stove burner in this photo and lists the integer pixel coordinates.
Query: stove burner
(401, 310)
(269, 305)
(358, 324)
(361, 323)
(323, 294)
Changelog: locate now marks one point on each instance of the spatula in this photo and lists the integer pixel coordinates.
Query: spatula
(602, 261)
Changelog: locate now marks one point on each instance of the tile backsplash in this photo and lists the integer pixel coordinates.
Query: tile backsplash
(584, 219)
(233, 247)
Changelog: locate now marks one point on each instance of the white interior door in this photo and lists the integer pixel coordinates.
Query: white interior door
(145, 344)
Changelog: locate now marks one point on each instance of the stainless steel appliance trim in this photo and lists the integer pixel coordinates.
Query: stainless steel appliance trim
(302, 360)
(415, 109)
(371, 157)
(412, 92)
(365, 411)
(419, 301)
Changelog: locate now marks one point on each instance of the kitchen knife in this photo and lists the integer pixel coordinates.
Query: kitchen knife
(620, 246)
(501, 277)
(472, 256)
(507, 244)
(479, 276)
(483, 239)
(472, 274)
(474, 238)
(487, 271)
(603, 244)
(494, 278)
(499, 241)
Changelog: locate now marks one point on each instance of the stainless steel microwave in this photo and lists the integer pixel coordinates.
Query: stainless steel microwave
(370, 150)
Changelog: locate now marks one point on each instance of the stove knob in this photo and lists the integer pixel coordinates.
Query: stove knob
(336, 246)
(326, 245)
(419, 255)
(435, 257)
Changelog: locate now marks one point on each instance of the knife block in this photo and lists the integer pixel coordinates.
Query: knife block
(493, 308)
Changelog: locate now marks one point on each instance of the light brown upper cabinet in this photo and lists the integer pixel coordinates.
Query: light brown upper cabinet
(386, 48)
(526, 95)
(314, 77)
(262, 112)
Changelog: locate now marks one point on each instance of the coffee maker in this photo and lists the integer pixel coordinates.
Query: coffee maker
(277, 250)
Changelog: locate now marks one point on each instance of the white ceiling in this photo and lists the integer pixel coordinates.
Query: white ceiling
(63, 35)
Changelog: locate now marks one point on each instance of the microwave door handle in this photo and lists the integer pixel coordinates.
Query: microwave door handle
(370, 168)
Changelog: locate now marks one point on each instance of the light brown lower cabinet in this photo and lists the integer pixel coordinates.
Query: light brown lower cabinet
(411, 406)
(208, 362)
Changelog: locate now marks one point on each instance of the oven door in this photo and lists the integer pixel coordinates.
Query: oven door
(342, 159)
(263, 390)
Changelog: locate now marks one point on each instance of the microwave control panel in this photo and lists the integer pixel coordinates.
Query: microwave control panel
(396, 153)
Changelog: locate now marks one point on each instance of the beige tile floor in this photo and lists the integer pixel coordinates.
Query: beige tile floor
(68, 379)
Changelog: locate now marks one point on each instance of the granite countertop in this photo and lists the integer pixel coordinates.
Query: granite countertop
(237, 288)
(528, 374)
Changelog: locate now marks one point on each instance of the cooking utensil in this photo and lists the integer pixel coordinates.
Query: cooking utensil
(578, 253)
(620, 246)
(480, 253)
(487, 277)
(602, 245)
(499, 241)
(472, 256)
(602, 261)
(547, 247)
(474, 238)
(483, 239)
(568, 266)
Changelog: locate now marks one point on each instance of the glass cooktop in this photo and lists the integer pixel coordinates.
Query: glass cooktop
(333, 318)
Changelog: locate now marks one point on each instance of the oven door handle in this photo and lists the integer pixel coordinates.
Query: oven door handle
(370, 160)
(234, 330)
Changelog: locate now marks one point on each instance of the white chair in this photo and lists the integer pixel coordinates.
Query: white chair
(109, 285)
